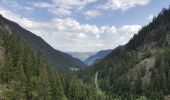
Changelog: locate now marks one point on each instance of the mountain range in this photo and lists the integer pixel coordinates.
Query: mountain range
(90, 58)
(97, 57)
(81, 55)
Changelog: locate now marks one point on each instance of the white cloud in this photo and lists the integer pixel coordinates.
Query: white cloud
(112, 29)
(123, 4)
(69, 35)
(42, 4)
(14, 5)
(64, 7)
(150, 17)
(131, 29)
(54, 8)
(127, 31)
(81, 35)
(92, 13)
(67, 8)
(61, 11)
(73, 2)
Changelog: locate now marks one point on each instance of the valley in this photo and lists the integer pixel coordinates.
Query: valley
(33, 69)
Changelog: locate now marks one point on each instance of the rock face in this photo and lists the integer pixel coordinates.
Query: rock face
(2, 55)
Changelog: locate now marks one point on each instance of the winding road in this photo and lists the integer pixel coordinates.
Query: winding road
(97, 87)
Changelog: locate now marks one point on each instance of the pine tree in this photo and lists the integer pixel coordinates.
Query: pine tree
(60, 91)
(138, 84)
(132, 90)
(7, 68)
(45, 89)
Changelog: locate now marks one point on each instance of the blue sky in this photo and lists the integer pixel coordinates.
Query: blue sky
(82, 25)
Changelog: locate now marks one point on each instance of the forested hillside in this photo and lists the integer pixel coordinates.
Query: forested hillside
(141, 68)
(55, 58)
(24, 75)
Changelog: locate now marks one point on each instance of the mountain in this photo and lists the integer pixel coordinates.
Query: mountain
(140, 69)
(97, 57)
(55, 58)
(81, 55)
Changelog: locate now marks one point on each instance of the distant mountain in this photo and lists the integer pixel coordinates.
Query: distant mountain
(81, 55)
(97, 57)
(55, 58)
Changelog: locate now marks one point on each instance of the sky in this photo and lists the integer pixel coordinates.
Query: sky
(83, 25)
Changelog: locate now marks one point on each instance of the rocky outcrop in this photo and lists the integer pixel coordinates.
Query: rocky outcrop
(146, 64)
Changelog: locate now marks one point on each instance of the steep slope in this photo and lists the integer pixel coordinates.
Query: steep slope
(139, 68)
(97, 57)
(81, 55)
(55, 58)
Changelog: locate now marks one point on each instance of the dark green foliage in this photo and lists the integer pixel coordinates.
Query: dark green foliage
(79, 91)
(56, 85)
(157, 95)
